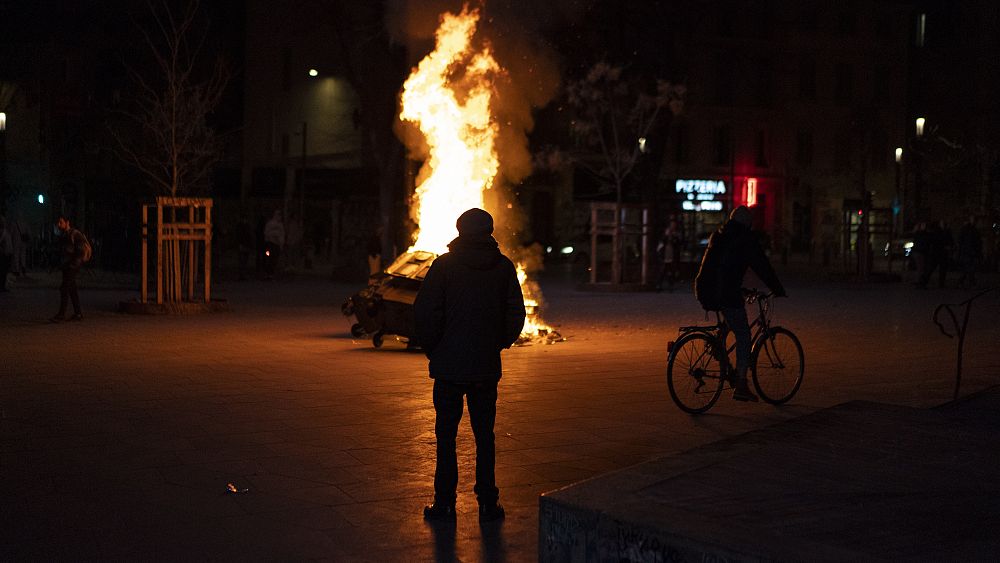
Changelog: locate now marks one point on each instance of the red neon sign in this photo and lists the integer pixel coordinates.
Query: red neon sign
(751, 192)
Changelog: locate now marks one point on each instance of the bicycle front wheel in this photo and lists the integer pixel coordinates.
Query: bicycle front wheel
(777, 365)
(694, 373)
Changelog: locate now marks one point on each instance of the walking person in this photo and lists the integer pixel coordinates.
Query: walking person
(731, 251)
(970, 251)
(75, 251)
(469, 308)
(274, 242)
(670, 249)
(6, 254)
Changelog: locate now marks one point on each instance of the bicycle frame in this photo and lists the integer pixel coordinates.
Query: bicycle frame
(720, 330)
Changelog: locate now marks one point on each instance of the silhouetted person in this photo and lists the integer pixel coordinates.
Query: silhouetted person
(731, 251)
(469, 308)
(75, 251)
(245, 245)
(970, 250)
(274, 241)
(6, 254)
(670, 250)
(939, 244)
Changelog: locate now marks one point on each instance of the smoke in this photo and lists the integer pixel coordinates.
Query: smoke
(514, 31)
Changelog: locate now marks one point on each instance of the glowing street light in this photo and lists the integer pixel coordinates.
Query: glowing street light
(313, 72)
(3, 121)
(899, 155)
(920, 126)
(41, 198)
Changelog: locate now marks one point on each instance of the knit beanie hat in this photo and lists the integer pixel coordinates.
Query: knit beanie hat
(742, 214)
(475, 222)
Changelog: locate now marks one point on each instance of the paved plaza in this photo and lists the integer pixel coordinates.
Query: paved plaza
(119, 435)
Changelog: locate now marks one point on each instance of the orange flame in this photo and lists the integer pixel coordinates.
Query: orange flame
(461, 136)
(453, 111)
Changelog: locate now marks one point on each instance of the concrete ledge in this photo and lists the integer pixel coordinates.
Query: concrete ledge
(137, 308)
(860, 481)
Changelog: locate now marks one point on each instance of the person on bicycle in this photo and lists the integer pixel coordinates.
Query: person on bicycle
(718, 287)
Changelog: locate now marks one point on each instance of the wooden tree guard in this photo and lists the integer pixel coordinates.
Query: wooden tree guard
(619, 221)
(190, 220)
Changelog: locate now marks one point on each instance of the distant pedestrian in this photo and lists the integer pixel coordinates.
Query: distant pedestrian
(6, 254)
(670, 252)
(76, 251)
(938, 249)
(970, 251)
(469, 308)
(21, 239)
(245, 245)
(274, 242)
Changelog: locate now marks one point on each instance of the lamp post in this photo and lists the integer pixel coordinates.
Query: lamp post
(918, 165)
(3, 157)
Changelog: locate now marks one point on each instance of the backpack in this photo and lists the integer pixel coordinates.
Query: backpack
(86, 251)
(708, 282)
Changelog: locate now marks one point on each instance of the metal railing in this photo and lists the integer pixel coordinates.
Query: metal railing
(959, 329)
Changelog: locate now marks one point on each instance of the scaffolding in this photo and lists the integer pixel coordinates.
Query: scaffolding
(183, 228)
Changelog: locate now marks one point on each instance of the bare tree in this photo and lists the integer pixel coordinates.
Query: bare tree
(613, 117)
(173, 146)
(169, 139)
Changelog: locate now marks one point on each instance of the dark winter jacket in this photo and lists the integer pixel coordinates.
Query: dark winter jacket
(731, 250)
(468, 309)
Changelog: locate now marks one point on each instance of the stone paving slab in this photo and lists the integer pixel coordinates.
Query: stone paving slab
(859, 481)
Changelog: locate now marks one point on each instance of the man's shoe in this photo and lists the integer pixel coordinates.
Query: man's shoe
(743, 393)
(76, 317)
(438, 512)
(57, 319)
(491, 512)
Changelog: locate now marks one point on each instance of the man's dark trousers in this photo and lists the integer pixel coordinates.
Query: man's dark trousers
(482, 399)
(68, 291)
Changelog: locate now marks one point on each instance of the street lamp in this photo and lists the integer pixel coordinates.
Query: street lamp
(3, 121)
(313, 72)
(920, 126)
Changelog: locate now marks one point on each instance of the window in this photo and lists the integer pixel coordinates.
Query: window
(804, 148)
(723, 145)
(807, 78)
(844, 86)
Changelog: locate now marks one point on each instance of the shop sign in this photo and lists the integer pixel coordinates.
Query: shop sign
(701, 195)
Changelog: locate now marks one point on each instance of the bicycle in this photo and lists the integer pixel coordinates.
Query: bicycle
(698, 365)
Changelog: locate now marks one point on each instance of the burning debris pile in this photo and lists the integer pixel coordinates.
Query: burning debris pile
(450, 99)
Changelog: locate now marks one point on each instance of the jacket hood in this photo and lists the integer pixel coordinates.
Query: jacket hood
(479, 251)
(734, 228)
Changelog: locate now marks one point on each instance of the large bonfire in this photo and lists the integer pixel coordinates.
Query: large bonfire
(448, 97)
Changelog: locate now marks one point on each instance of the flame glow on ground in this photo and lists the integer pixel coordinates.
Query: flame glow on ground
(461, 137)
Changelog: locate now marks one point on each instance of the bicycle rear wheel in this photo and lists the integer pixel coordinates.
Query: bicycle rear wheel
(694, 373)
(777, 365)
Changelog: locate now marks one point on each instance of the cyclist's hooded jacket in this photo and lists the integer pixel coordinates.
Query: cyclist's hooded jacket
(731, 250)
(469, 307)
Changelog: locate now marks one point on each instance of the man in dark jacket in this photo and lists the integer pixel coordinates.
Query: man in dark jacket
(469, 308)
(731, 251)
(75, 251)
